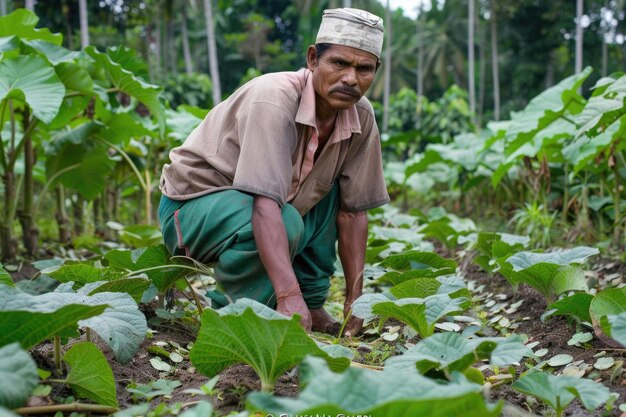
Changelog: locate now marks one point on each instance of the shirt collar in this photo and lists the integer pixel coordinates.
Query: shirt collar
(347, 121)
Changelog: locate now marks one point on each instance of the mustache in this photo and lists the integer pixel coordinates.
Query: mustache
(348, 90)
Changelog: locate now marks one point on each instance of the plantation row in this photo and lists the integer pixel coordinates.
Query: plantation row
(420, 290)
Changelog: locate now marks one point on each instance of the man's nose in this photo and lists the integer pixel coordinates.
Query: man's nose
(349, 76)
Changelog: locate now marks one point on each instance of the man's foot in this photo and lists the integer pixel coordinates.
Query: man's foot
(323, 322)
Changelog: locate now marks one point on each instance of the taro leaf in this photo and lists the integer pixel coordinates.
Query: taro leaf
(55, 54)
(600, 107)
(5, 277)
(249, 332)
(618, 327)
(576, 305)
(584, 149)
(90, 375)
(141, 235)
(365, 392)
(419, 313)
(30, 320)
(395, 277)
(7, 413)
(610, 302)
(418, 260)
(578, 255)
(144, 258)
(453, 352)
(544, 109)
(32, 77)
(424, 287)
(81, 273)
(8, 43)
(122, 326)
(492, 246)
(442, 231)
(18, 373)
(202, 409)
(559, 391)
(22, 23)
(134, 287)
(128, 83)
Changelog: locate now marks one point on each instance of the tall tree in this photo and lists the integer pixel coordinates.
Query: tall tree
(3, 7)
(470, 56)
(579, 36)
(421, 20)
(212, 49)
(84, 23)
(495, 72)
(346, 3)
(387, 67)
(185, 40)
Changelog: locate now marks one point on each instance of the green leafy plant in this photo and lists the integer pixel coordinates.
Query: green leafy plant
(249, 332)
(419, 313)
(559, 391)
(445, 353)
(550, 273)
(494, 248)
(18, 373)
(366, 392)
(415, 264)
(607, 310)
(535, 221)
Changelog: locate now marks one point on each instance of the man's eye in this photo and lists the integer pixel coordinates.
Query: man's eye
(340, 63)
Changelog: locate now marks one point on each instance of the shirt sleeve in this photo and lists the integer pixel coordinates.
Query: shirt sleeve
(268, 137)
(361, 180)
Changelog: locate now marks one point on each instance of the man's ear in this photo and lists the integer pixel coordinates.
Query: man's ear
(311, 57)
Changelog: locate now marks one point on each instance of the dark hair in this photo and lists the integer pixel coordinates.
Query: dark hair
(320, 48)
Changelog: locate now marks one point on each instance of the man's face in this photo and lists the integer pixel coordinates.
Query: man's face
(341, 75)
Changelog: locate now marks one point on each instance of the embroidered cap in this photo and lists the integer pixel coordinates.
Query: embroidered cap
(352, 27)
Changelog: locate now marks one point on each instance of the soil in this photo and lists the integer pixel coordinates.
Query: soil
(235, 382)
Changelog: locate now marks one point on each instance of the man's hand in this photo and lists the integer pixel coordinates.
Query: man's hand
(294, 304)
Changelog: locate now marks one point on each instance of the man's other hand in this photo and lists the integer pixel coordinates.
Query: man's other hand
(294, 304)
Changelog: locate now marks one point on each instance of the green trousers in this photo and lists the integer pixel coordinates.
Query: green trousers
(217, 229)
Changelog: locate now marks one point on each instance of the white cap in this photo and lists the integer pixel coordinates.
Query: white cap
(352, 27)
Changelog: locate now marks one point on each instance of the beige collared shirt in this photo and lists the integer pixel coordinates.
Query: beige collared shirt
(262, 140)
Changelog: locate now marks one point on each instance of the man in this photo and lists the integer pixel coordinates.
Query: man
(280, 172)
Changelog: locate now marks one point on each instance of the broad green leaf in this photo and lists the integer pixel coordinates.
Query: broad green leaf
(559, 391)
(55, 54)
(30, 320)
(366, 392)
(34, 79)
(8, 43)
(129, 60)
(576, 305)
(578, 255)
(81, 273)
(7, 413)
(423, 287)
(611, 301)
(419, 313)
(584, 149)
(618, 327)
(128, 83)
(544, 109)
(121, 127)
(5, 277)
(122, 326)
(145, 258)
(79, 162)
(22, 23)
(141, 235)
(395, 277)
(202, 409)
(453, 352)
(134, 287)
(569, 278)
(180, 123)
(18, 373)
(600, 106)
(270, 344)
(418, 260)
(90, 375)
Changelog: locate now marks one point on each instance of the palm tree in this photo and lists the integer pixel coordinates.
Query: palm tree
(213, 65)
(30, 5)
(387, 68)
(579, 36)
(84, 23)
(470, 56)
(495, 73)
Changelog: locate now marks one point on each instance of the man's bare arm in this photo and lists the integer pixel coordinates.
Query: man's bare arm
(352, 236)
(271, 240)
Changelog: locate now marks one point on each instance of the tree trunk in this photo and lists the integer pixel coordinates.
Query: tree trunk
(470, 58)
(30, 233)
(494, 62)
(605, 47)
(158, 41)
(65, 12)
(3, 7)
(30, 5)
(579, 37)
(185, 38)
(212, 49)
(84, 23)
(387, 68)
(63, 223)
(420, 65)
(346, 3)
(7, 243)
(482, 71)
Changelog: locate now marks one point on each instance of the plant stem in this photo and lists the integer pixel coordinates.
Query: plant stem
(343, 326)
(73, 407)
(267, 386)
(195, 297)
(57, 353)
(88, 334)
